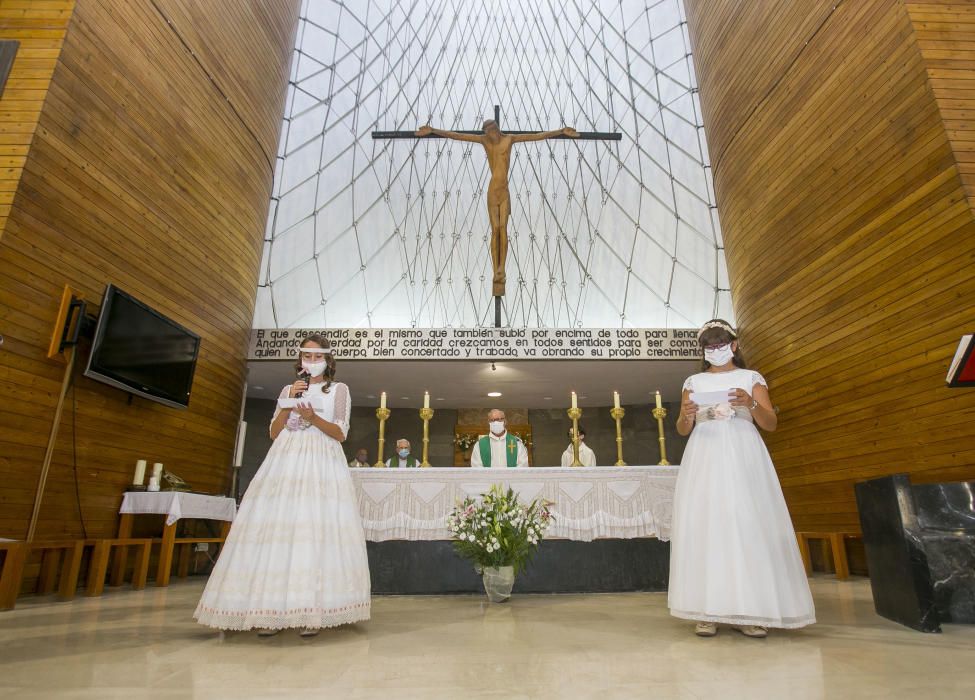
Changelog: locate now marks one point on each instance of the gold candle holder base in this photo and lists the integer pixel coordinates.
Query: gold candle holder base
(617, 415)
(575, 414)
(426, 414)
(660, 414)
(382, 415)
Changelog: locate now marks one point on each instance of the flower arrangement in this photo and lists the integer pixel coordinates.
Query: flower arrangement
(720, 411)
(497, 530)
(465, 441)
(526, 438)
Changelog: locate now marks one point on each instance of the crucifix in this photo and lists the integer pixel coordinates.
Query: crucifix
(497, 146)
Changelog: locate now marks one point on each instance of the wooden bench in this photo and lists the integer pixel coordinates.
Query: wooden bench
(98, 568)
(14, 558)
(834, 543)
(64, 556)
(61, 566)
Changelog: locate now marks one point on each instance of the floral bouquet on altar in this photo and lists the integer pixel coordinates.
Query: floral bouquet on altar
(499, 535)
(465, 441)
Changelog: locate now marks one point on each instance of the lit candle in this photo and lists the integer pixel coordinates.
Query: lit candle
(659, 405)
(140, 473)
(616, 399)
(239, 453)
(426, 399)
(382, 400)
(574, 403)
(157, 471)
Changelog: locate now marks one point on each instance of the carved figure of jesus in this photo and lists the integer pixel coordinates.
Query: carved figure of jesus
(497, 147)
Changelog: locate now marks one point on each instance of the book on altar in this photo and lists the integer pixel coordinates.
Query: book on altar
(710, 398)
(317, 402)
(961, 372)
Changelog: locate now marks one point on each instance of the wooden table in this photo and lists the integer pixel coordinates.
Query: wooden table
(175, 506)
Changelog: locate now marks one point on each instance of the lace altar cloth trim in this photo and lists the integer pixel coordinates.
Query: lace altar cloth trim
(590, 502)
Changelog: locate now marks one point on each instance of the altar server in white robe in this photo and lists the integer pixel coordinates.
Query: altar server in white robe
(586, 455)
(499, 448)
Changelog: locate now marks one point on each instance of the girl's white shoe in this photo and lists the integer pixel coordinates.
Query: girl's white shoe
(706, 629)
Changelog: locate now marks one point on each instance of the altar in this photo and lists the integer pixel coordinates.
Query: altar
(611, 529)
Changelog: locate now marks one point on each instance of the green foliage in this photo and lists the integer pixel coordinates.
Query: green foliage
(496, 530)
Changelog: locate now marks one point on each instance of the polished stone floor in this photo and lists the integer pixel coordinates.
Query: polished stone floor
(145, 644)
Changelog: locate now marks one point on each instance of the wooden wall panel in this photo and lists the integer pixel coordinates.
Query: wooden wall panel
(945, 31)
(39, 26)
(149, 168)
(849, 237)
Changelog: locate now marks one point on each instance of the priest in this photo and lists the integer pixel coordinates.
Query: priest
(403, 458)
(499, 448)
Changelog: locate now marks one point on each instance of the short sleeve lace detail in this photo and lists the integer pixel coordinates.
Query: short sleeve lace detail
(688, 384)
(758, 379)
(343, 408)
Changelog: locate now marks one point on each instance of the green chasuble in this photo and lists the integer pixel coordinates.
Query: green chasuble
(510, 449)
(410, 462)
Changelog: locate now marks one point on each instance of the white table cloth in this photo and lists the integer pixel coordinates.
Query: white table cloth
(590, 502)
(175, 505)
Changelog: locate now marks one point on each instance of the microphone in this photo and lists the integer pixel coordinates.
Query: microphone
(305, 377)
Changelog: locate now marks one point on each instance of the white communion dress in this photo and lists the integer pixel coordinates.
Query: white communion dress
(734, 557)
(296, 554)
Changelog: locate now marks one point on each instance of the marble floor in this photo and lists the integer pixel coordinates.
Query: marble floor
(145, 645)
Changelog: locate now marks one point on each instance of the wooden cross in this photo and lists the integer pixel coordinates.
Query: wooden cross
(498, 241)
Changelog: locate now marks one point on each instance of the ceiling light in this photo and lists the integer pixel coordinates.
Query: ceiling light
(494, 394)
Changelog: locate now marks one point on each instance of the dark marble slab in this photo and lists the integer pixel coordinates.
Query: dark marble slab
(951, 560)
(900, 577)
(560, 566)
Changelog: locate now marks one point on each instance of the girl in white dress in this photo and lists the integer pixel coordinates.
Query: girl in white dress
(296, 554)
(734, 557)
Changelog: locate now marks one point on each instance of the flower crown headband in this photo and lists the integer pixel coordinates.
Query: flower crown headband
(324, 351)
(716, 324)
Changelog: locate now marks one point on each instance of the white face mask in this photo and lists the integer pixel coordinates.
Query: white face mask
(315, 369)
(719, 357)
(497, 426)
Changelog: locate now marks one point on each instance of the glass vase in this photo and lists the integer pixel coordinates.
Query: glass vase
(498, 582)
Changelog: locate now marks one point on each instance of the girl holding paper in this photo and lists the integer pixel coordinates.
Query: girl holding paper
(296, 554)
(734, 557)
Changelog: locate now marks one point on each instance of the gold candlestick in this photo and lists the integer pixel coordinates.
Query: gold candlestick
(660, 414)
(617, 414)
(426, 414)
(382, 414)
(575, 414)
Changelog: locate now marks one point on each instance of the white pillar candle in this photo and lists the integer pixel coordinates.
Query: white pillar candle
(382, 400)
(140, 473)
(239, 453)
(659, 405)
(157, 471)
(616, 399)
(426, 399)
(575, 404)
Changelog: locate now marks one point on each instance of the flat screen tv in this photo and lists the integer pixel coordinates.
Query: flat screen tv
(139, 350)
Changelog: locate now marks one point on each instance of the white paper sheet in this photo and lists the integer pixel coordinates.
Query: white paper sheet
(709, 398)
(317, 402)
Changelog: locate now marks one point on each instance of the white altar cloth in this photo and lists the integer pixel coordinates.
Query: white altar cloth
(590, 502)
(175, 505)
